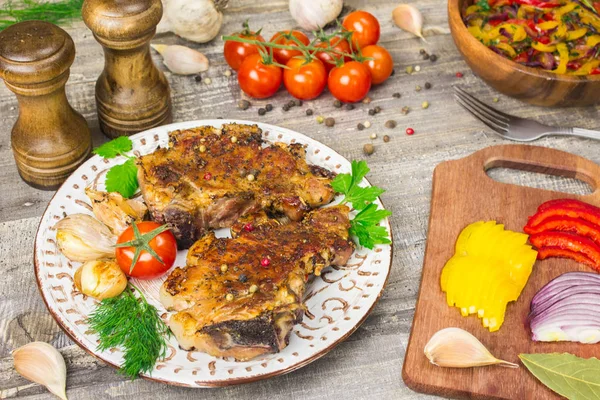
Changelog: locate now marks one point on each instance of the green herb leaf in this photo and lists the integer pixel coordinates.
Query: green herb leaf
(570, 376)
(115, 147)
(356, 195)
(365, 227)
(56, 12)
(131, 323)
(484, 5)
(123, 178)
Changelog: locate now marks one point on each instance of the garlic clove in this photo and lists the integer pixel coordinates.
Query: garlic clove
(315, 14)
(457, 348)
(41, 363)
(114, 210)
(81, 237)
(100, 279)
(198, 20)
(409, 18)
(182, 60)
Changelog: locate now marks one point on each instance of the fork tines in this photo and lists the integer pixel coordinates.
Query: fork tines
(495, 119)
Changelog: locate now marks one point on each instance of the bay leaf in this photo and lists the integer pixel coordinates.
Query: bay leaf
(570, 376)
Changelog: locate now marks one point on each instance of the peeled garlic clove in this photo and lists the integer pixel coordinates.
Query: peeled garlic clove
(456, 348)
(182, 60)
(41, 363)
(100, 279)
(409, 18)
(81, 237)
(114, 210)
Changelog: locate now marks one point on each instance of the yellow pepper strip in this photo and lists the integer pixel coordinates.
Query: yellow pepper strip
(471, 9)
(576, 34)
(524, 10)
(588, 18)
(563, 52)
(561, 32)
(546, 26)
(587, 68)
(543, 47)
(592, 41)
(558, 13)
(520, 34)
(508, 49)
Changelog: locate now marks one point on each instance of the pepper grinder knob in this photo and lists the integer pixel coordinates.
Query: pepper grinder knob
(50, 139)
(132, 95)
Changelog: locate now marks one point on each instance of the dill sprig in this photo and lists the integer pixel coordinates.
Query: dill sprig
(12, 12)
(129, 322)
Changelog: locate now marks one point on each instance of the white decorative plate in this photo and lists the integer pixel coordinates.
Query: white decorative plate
(337, 302)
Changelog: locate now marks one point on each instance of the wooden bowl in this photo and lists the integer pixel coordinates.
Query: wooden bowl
(531, 85)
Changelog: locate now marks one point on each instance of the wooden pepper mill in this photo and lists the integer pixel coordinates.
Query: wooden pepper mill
(50, 139)
(132, 95)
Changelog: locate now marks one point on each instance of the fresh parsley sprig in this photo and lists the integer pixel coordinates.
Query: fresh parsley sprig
(365, 225)
(129, 322)
(120, 178)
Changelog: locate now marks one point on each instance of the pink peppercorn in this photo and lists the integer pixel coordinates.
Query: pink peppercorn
(459, 74)
(207, 176)
(265, 262)
(248, 227)
(410, 131)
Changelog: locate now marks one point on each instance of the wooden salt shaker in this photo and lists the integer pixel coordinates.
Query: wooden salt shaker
(50, 139)
(132, 95)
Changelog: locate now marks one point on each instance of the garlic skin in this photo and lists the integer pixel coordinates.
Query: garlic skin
(81, 237)
(457, 348)
(100, 279)
(409, 18)
(314, 14)
(41, 363)
(182, 60)
(114, 210)
(195, 20)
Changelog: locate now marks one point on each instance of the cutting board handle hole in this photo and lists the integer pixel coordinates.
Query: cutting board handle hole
(540, 178)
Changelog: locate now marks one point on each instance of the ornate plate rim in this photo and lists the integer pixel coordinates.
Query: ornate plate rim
(219, 383)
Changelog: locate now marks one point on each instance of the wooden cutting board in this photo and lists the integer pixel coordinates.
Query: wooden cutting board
(463, 193)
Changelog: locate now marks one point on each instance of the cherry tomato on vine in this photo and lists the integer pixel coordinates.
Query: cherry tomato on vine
(259, 79)
(236, 52)
(337, 43)
(380, 65)
(282, 56)
(350, 82)
(161, 242)
(305, 80)
(364, 27)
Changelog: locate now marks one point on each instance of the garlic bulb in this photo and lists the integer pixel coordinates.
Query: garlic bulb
(182, 60)
(195, 20)
(100, 279)
(114, 210)
(81, 237)
(41, 363)
(456, 348)
(315, 14)
(409, 18)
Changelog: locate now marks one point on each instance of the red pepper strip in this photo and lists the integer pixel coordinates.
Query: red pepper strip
(537, 3)
(595, 71)
(568, 203)
(567, 224)
(544, 39)
(568, 241)
(587, 214)
(516, 21)
(547, 252)
(573, 65)
(596, 5)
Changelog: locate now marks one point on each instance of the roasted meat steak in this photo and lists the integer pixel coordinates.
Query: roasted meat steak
(240, 297)
(208, 177)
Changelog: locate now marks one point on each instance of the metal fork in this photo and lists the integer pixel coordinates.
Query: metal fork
(511, 127)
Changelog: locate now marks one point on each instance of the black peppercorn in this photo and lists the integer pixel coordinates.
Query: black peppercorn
(377, 110)
(243, 278)
(371, 111)
(349, 106)
(286, 107)
(427, 85)
(262, 111)
(337, 104)
(433, 58)
(309, 112)
(269, 107)
(198, 78)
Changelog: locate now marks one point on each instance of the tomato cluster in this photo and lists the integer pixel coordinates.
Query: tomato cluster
(347, 62)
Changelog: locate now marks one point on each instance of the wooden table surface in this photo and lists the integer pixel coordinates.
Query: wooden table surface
(369, 363)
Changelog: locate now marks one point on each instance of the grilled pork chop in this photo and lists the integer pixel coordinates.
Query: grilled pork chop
(240, 297)
(209, 177)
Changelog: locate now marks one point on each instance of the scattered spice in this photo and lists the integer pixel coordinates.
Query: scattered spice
(417, 88)
(391, 124)
(198, 78)
(417, 68)
(459, 75)
(253, 289)
(224, 267)
(207, 81)
(329, 122)
(265, 262)
(405, 110)
(309, 112)
(386, 138)
(426, 56)
(366, 100)
(368, 149)
(285, 107)
(367, 124)
(337, 104)
(244, 104)
(202, 149)
(396, 95)
(433, 58)
(377, 110)
(262, 111)
(229, 297)
(425, 104)
(496, 99)
(349, 106)
(269, 107)
(422, 51)
(298, 103)
(248, 227)
(360, 126)
(291, 103)
(373, 135)
(427, 85)
(227, 72)
(243, 278)
(371, 111)
(409, 69)
(410, 131)
(250, 177)
(320, 119)
(234, 139)
(207, 176)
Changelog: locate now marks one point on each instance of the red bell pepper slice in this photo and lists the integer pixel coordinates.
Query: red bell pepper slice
(567, 208)
(538, 3)
(547, 252)
(595, 71)
(567, 224)
(568, 241)
(596, 5)
(568, 203)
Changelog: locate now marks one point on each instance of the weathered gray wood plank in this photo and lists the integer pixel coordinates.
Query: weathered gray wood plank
(368, 364)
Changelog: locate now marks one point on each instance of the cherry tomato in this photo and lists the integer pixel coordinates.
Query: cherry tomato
(147, 267)
(305, 80)
(236, 52)
(257, 79)
(337, 43)
(364, 26)
(380, 65)
(282, 56)
(350, 82)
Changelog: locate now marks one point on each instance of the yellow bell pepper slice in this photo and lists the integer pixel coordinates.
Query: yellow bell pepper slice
(472, 9)
(543, 47)
(520, 34)
(587, 68)
(559, 12)
(592, 41)
(546, 26)
(576, 34)
(563, 52)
